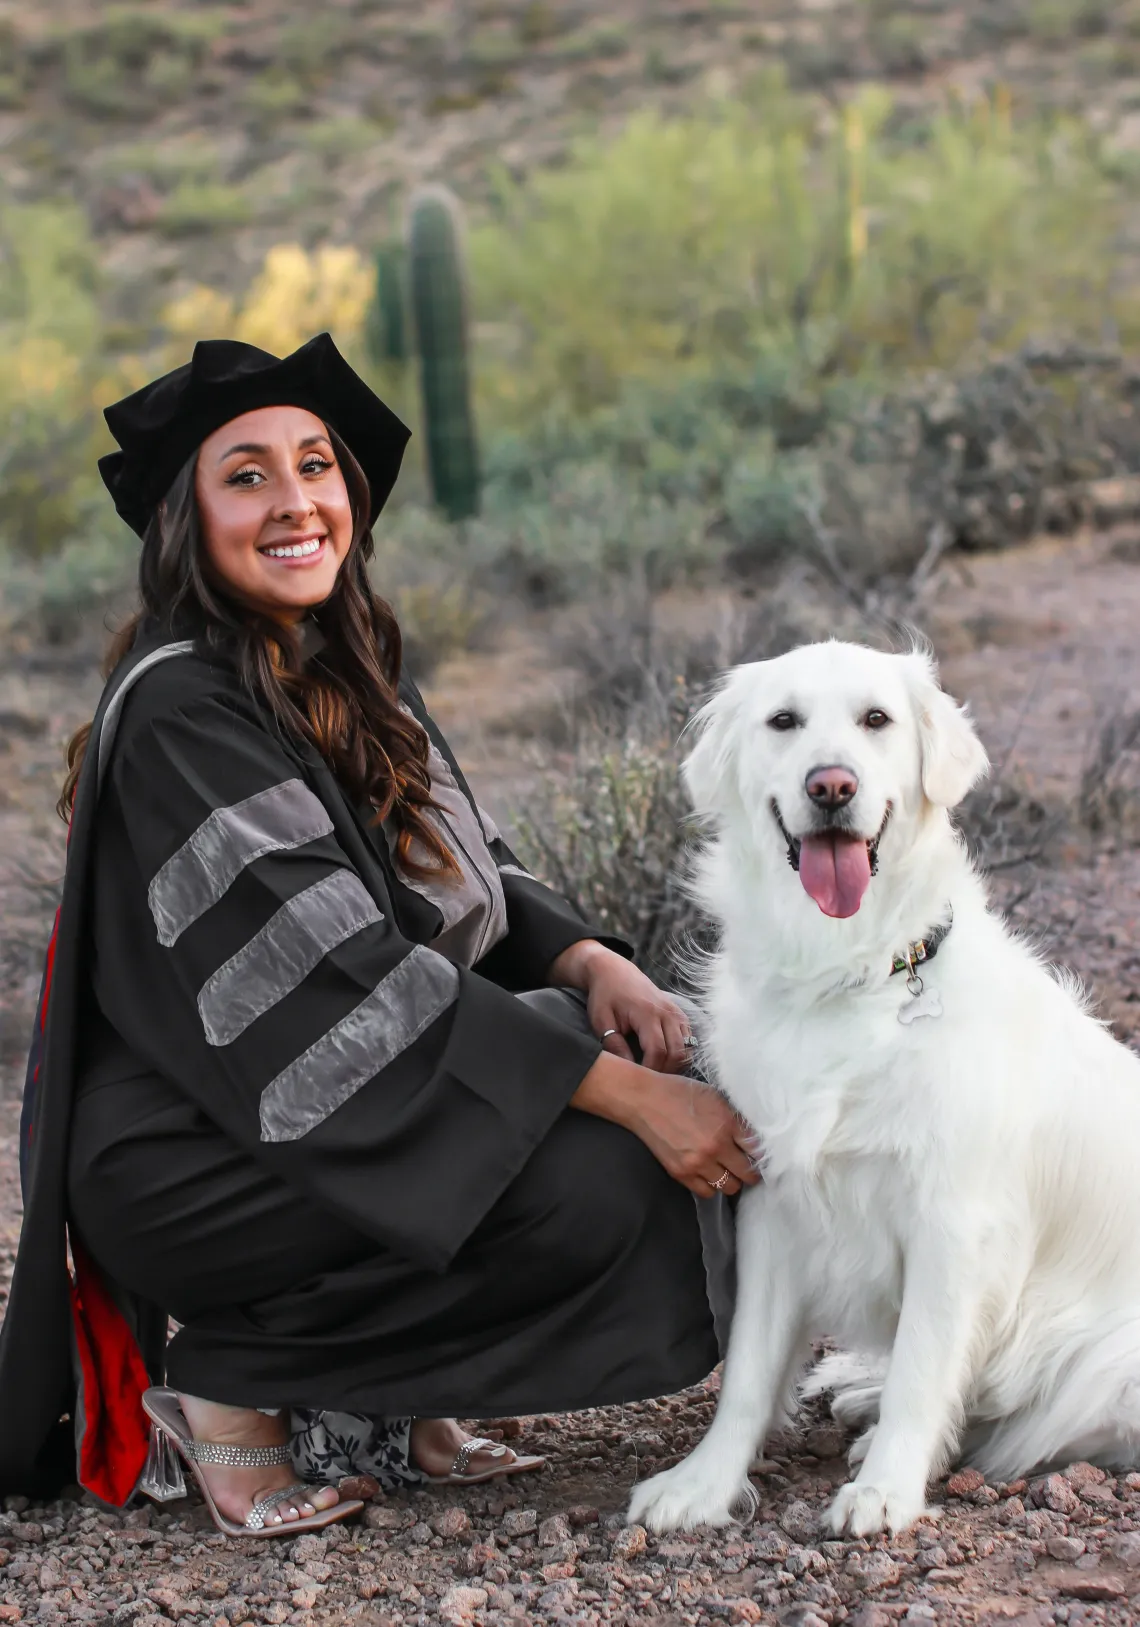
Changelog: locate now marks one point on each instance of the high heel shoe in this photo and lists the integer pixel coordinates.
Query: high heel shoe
(162, 1478)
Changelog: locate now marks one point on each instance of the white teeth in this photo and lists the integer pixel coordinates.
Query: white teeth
(296, 550)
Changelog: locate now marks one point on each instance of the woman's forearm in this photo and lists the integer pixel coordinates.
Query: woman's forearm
(574, 967)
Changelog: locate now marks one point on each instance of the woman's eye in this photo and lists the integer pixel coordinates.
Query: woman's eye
(783, 721)
(876, 718)
(315, 466)
(245, 477)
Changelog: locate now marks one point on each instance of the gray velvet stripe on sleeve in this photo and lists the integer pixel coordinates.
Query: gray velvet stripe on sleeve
(279, 957)
(207, 864)
(405, 1002)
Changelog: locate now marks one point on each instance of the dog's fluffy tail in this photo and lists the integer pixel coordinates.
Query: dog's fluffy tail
(853, 1378)
(1090, 1414)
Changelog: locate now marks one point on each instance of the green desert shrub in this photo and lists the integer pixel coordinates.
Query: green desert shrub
(744, 226)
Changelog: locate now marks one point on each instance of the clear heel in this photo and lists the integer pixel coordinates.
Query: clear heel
(162, 1478)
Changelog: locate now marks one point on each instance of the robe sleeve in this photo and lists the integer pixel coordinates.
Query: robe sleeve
(399, 1091)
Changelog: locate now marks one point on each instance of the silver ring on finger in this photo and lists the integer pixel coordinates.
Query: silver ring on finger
(607, 1033)
(718, 1186)
(690, 1041)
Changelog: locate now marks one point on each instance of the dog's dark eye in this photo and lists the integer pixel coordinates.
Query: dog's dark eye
(876, 718)
(783, 721)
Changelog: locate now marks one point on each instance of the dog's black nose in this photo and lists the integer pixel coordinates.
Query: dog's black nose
(831, 787)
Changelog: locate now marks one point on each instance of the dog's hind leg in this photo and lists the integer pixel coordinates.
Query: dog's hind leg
(766, 1344)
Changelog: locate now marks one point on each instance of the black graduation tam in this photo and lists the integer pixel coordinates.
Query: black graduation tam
(163, 423)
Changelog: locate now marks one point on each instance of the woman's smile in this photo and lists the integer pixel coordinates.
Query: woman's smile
(302, 552)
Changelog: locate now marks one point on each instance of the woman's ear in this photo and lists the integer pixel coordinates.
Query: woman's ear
(953, 758)
(709, 771)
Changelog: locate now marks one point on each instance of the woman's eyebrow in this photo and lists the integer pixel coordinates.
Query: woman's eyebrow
(255, 447)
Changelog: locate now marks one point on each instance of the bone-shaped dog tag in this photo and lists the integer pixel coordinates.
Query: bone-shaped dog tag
(926, 1004)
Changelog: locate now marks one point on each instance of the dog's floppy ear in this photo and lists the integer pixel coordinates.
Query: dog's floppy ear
(709, 769)
(953, 758)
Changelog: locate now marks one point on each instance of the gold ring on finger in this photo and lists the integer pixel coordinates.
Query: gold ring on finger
(718, 1186)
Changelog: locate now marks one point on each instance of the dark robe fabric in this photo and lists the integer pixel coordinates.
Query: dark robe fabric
(262, 1103)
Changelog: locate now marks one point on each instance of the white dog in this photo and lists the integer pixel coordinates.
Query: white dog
(951, 1144)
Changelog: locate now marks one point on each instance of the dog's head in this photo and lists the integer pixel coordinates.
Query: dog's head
(823, 751)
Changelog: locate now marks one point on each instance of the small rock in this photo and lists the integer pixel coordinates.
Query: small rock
(1064, 1548)
(308, 1547)
(561, 1594)
(870, 1615)
(478, 1555)
(870, 1572)
(825, 1442)
(1125, 1548)
(420, 1534)
(1084, 1474)
(770, 1547)
(964, 1483)
(451, 1523)
(800, 1522)
(748, 1610)
(362, 1486)
(554, 1530)
(15, 1505)
(1055, 1492)
(932, 1559)
(1099, 1496)
(1132, 1481)
(520, 1522)
(921, 1611)
(459, 1603)
(559, 1570)
(582, 1514)
(10, 1612)
(305, 1597)
(629, 1542)
(1086, 1586)
(27, 1531)
(378, 1517)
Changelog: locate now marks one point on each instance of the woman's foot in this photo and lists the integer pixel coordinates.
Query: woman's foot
(236, 1490)
(435, 1443)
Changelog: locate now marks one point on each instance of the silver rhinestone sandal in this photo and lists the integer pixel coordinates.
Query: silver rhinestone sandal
(162, 1478)
(508, 1463)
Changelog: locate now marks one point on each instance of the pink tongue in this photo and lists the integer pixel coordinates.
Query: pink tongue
(836, 872)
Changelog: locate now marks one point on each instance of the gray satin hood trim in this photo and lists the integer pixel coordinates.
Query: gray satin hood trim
(279, 957)
(405, 1002)
(110, 724)
(473, 905)
(209, 862)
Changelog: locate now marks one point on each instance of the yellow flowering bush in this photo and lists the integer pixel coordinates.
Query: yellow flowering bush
(296, 295)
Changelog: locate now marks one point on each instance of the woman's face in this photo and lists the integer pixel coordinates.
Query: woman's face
(276, 520)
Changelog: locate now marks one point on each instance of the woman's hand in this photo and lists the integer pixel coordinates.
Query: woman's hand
(689, 1128)
(621, 1000)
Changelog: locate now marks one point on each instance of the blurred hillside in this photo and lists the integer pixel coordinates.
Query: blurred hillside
(854, 280)
(195, 136)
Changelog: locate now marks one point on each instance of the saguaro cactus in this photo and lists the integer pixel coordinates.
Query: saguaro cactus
(438, 289)
(386, 327)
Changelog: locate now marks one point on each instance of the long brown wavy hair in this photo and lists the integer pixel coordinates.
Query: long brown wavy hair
(343, 700)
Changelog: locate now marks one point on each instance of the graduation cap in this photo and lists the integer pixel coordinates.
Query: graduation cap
(161, 425)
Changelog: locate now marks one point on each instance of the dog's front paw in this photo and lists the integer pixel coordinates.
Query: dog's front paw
(863, 1510)
(686, 1496)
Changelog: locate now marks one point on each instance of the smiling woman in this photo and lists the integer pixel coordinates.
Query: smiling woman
(325, 1075)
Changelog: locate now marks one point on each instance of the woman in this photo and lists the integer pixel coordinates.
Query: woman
(327, 1077)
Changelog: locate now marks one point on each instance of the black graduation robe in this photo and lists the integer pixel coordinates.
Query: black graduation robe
(342, 1161)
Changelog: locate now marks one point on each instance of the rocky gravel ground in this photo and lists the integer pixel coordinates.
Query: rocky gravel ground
(1042, 644)
(555, 1547)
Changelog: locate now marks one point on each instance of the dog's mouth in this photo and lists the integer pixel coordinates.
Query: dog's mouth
(835, 866)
